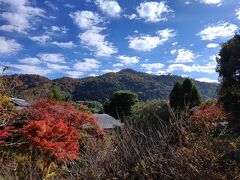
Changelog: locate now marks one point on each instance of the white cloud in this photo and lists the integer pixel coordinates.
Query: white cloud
(212, 45)
(207, 80)
(74, 74)
(92, 38)
(9, 46)
(20, 16)
(31, 69)
(52, 57)
(209, 68)
(86, 19)
(214, 57)
(87, 65)
(118, 65)
(238, 13)
(153, 11)
(147, 42)
(69, 44)
(42, 39)
(62, 29)
(57, 67)
(152, 66)
(109, 7)
(131, 16)
(220, 30)
(184, 55)
(110, 70)
(127, 60)
(94, 41)
(211, 1)
(30, 60)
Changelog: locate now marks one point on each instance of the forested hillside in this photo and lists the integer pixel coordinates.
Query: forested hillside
(102, 87)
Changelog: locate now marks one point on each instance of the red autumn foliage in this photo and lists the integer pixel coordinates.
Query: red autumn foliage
(53, 128)
(207, 117)
(5, 132)
(60, 110)
(53, 136)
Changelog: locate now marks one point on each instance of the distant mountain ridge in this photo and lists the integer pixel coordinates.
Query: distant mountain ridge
(100, 88)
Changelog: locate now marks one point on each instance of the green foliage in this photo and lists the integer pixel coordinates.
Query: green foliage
(56, 95)
(152, 115)
(120, 104)
(93, 106)
(184, 95)
(176, 96)
(229, 73)
(100, 88)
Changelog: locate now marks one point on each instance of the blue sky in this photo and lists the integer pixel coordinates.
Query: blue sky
(79, 38)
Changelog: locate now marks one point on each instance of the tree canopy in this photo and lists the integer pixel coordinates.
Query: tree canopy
(184, 95)
(120, 103)
(229, 74)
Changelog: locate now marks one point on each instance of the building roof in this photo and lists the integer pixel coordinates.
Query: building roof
(20, 102)
(107, 122)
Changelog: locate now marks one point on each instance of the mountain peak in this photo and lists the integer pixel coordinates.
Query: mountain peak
(127, 71)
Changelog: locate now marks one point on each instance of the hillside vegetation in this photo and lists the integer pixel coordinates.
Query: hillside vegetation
(100, 88)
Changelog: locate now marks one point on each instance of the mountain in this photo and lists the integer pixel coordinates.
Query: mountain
(100, 88)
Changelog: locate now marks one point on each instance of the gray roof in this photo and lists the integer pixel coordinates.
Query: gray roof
(20, 102)
(106, 122)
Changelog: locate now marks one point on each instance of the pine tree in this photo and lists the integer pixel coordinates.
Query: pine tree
(187, 89)
(195, 98)
(176, 96)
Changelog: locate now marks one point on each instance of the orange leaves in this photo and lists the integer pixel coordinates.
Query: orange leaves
(54, 137)
(208, 117)
(53, 128)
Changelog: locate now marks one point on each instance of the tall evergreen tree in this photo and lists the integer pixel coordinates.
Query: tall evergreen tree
(176, 96)
(195, 98)
(187, 89)
(229, 74)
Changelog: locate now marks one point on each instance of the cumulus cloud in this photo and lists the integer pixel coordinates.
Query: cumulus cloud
(86, 19)
(238, 13)
(183, 55)
(148, 42)
(127, 60)
(69, 44)
(31, 69)
(110, 70)
(152, 66)
(41, 39)
(153, 11)
(74, 74)
(9, 46)
(30, 60)
(19, 15)
(220, 30)
(87, 65)
(212, 45)
(118, 65)
(52, 57)
(207, 80)
(92, 37)
(95, 41)
(209, 68)
(109, 7)
(57, 67)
